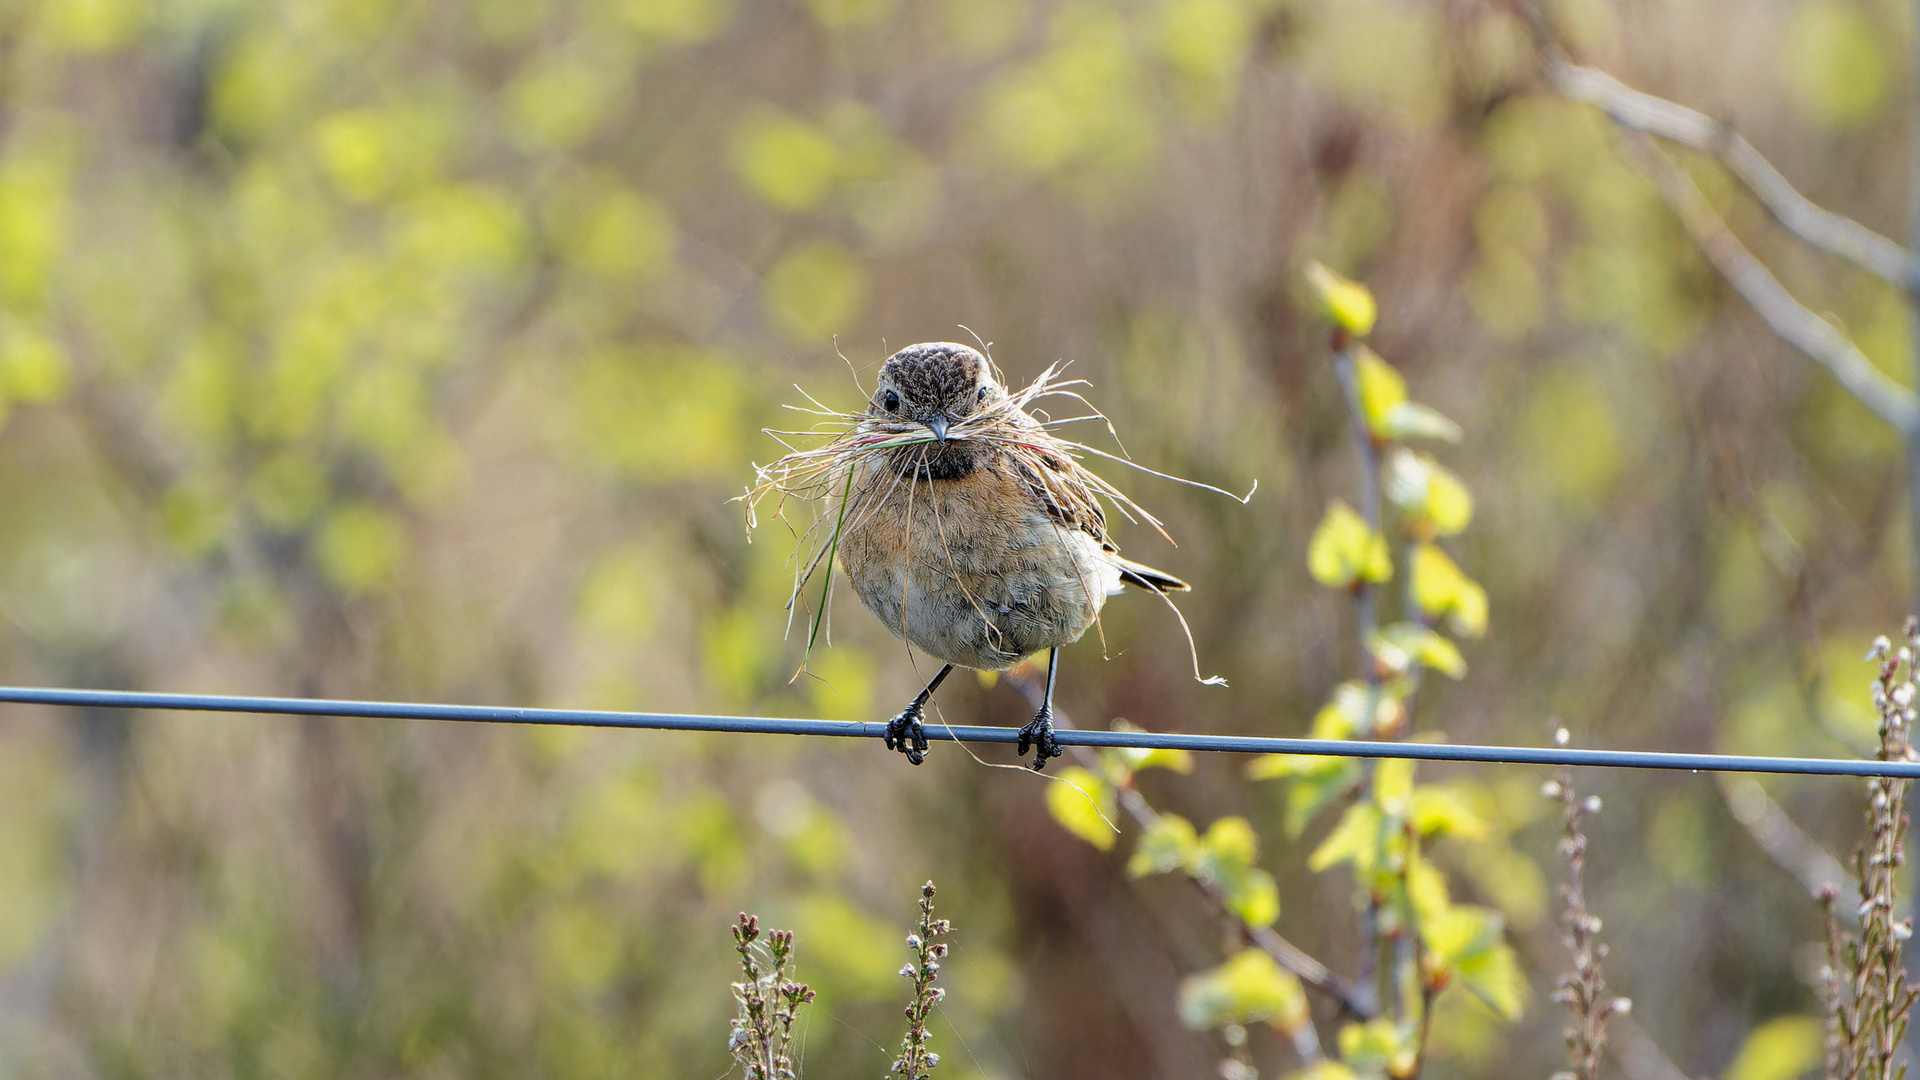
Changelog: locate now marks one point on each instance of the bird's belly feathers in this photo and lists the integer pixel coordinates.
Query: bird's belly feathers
(973, 571)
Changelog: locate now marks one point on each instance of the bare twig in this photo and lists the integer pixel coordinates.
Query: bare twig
(1785, 843)
(1799, 326)
(1794, 322)
(1367, 463)
(1835, 234)
(1367, 620)
(1639, 1056)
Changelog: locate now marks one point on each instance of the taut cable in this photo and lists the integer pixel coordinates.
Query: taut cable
(852, 729)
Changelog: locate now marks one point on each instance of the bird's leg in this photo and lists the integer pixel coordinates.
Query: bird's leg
(904, 732)
(1039, 731)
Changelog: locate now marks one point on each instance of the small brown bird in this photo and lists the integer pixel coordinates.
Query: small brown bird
(966, 552)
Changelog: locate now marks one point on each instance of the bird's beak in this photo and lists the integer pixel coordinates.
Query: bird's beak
(938, 425)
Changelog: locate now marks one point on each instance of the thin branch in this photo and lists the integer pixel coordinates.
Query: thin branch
(1639, 1055)
(1835, 234)
(1785, 842)
(1367, 624)
(1367, 462)
(1794, 322)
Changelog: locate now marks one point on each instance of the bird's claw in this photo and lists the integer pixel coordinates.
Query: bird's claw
(905, 734)
(1039, 734)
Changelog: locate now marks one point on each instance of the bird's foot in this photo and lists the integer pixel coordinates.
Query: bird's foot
(905, 734)
(1039, 734)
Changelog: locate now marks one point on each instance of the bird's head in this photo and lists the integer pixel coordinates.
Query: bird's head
(936, 385)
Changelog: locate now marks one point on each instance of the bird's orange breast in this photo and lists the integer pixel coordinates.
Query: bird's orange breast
(971, 570)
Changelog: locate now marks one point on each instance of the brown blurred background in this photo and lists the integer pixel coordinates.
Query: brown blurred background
(411, 349)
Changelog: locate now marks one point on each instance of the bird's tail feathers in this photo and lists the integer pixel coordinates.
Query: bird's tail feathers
(1146, 577)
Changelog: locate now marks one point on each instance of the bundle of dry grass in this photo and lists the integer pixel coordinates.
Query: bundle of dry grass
(838, 479)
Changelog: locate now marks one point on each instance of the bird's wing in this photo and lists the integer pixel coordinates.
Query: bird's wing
(1068, 504)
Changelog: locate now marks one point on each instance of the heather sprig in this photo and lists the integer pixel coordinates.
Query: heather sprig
(769, 1001)
(1583, 990)
(1868, 999)
(915, 1061)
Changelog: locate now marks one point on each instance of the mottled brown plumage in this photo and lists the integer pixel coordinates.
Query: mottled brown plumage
(966, 550)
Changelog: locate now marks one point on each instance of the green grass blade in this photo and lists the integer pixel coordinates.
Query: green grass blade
(833, 548)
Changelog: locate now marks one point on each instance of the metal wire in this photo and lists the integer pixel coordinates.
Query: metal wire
(1136, 740)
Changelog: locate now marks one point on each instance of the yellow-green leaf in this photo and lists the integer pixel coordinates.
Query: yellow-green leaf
(1426, 890)
(1317, 781)
(678, 22)
(1133, 759)
(1348, 712)
(1230, 845)
(785, 161)
(1440, 589)
(1180, 761)
(1410, 642)
(1494, 977)
(1344, 550)
(1442, 810)
(197, 516)
(1084, 805)
(1276, 766)
(1441, 655)
(814, 291)
(35, 212)
(1780, 1049)
(462, 226)
(33, 367)
(1249, 987)
(1314, 792)
(607, 228)
(1392, 659)
(1435, 501)
(1469, 614)
(1449, 505)
(1346, 302)
(1355, 839)
(1382, 390)
(360, 547)
(1412, 420)
(1169, 844)
(1378, 1045)
(557, 101)
(1325, 1070)
(1254, 896)
(1393, 786)
(1468, 942)
(1460, 932)
(355, 148)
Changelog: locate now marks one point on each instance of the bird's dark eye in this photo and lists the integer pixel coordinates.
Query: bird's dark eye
(890, 401)
(983, 395)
